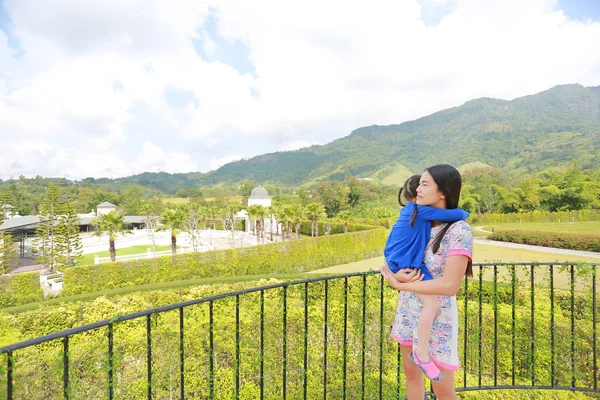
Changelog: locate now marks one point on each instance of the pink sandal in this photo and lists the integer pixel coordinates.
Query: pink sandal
(429, 369)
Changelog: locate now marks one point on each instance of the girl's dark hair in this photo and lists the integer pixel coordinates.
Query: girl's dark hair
(449, 182)
(408, 191)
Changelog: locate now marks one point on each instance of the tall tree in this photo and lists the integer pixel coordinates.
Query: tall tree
(113, 224)
(334, 196)
(345, 217)
(314, 211)
(174, 220)
(257, 213)
(192, 223)
(68, 240)
(8, 250)
(50, 210)
(294, 215)
(151, 218)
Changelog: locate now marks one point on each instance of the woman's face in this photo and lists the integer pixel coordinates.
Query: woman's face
(428, 193)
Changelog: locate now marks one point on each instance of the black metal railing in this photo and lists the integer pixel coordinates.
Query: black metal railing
(524, 326)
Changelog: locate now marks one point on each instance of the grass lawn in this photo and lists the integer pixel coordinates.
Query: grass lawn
(485, 254)
(88, 259)
(567, 227)
(175, 200)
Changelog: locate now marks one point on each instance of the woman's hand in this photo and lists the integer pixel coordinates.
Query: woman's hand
(402, 276)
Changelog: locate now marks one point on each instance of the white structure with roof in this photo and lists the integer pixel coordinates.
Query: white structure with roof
(259, 196)
(105, 208)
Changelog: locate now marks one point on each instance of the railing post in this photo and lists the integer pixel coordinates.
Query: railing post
(66, 368)
(305, 377)
(149, 353)
(110, 363)
(325, 309)
(284, 354)
(363, 335)
(181, 355)
(533, 325)
(9, 375)
(345, 343)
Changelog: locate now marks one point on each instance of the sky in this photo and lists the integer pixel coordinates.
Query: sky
(112, 88)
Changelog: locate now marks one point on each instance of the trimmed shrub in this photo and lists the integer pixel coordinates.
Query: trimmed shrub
(536, 216)
(336, 227)
(573, 241)
(20, 289)
(295, 256)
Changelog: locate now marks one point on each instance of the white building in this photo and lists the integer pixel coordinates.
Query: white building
(105, 208)
(260, 196)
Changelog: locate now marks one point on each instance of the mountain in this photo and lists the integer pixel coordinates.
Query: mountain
(526, 135)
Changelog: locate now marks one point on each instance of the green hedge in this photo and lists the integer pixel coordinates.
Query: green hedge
(295, 256)
(20, 289)
(573, 241)
(40, 373)
(536, 216)
(336, 227)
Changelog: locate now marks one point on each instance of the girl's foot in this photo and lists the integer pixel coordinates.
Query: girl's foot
(428, 368)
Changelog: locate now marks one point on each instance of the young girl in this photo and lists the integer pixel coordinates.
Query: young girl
(405, 248)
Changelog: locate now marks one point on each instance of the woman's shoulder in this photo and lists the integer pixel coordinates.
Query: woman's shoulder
(460, 228)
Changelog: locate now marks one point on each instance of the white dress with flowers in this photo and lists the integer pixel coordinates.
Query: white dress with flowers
(443, 345)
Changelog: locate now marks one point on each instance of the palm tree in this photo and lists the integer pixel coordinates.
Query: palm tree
(173, 220)
(314, 211)
(345, 217)
(294, 214)
(257, 213)
(272, 211)
(113, 224)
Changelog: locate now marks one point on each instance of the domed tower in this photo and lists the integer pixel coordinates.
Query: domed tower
(259, 195)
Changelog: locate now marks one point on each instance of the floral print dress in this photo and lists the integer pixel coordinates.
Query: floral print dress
(443, 345)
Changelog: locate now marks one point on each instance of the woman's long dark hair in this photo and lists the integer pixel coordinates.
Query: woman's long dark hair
(449, 182)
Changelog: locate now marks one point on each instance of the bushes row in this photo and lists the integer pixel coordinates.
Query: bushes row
(559, 240)
(20, 289)
(481, 356)
(296, 256)
(536, 216)
(336, 227)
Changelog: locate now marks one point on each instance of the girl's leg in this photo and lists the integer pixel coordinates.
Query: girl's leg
(444, 389)
(414, 376)
(430, 307)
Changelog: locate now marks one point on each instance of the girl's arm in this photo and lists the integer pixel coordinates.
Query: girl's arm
(429, 213)
(447, 285)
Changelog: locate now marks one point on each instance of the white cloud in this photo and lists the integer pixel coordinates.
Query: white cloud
(321, 69)
(220, 161)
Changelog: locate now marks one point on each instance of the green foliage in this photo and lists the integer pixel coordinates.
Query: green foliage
(335, 227)
(40, 373)
(8, 251)
(284, 257)
(112, 224)
(536, 216)
(20, 289)
(572, 241)
(50, 210)
(68, 241)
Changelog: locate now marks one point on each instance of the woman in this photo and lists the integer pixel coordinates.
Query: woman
(448, 259)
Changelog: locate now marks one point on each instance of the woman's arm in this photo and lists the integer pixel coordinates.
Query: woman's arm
(447, 285)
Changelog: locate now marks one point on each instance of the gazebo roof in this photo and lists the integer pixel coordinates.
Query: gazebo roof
(259, 193)
(106, 204)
